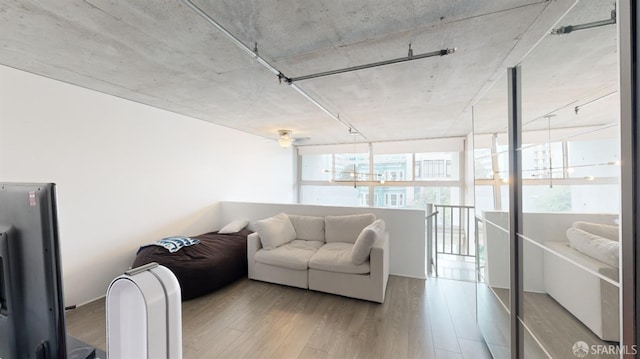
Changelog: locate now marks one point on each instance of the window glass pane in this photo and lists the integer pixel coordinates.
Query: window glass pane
(352, 165)
(414, 197)
(596, 198)
(484, 198)
(542, 160)
(504, 197)
(593, 158)
(483, 163)
(335, 195)
(439, 166)
(314, 167)
(503, 161)
(396, 167)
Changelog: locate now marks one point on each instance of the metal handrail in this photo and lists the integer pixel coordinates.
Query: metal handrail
(453, 205)
(465, 243)
(431, 215)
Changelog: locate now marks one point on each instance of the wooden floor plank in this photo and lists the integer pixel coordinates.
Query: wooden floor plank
(420, 327)
(445, 354)
(308, 313)
(333, 324)
(310, 353)
(443, 331)
(88, 323)
(472, 349)
(461, 303)
(395, 331)
(250, 319)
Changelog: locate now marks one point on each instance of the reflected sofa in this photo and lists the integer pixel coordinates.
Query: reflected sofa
(570, 268)
(553, 267)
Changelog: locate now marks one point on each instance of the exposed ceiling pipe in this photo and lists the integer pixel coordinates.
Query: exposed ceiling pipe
(410, 57)
(571, 28)
(254, 54)
(251, 52)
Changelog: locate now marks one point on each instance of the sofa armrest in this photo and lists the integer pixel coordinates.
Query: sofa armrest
(379, 261)
(253, 246)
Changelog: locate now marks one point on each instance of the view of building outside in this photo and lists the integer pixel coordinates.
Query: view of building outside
(396, 180)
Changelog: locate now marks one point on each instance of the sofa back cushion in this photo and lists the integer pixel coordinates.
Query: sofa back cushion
(346, 228)
(275, 231)
(603, 249)
(369, 235)
(602, 230)
(308, 228)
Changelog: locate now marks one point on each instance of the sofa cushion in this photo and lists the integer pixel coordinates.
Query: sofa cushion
(346, 228)
(293, 255)
(596, 247)
(234, 227)
(308, 228)
(275, 231)
(603, 230)
(369, 235)
(336, 257)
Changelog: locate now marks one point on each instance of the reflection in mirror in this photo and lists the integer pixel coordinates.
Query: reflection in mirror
(491, 161)
(570, 185)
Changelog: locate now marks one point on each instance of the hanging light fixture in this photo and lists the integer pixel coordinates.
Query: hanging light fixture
(355, 176)
(285, 139)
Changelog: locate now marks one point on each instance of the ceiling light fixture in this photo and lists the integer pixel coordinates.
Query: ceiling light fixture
(355, 176)
(285, 139)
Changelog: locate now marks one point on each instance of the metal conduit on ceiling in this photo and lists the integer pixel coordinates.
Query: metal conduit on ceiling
(253, 53)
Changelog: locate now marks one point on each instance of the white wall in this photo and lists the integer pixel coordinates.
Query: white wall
(126, 173)
(405, 227)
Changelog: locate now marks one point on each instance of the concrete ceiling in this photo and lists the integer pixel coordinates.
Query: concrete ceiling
(562, 72)
(163, 54)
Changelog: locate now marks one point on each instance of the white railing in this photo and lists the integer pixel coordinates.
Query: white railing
(450, 230)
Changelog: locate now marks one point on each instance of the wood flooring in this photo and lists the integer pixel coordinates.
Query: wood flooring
(432, 318)
(555, 327)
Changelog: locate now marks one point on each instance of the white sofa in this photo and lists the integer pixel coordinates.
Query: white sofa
(575, 272)
(319, 255)
(552, 266)
(592, 300)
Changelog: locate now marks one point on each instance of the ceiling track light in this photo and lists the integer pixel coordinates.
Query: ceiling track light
(571, 28)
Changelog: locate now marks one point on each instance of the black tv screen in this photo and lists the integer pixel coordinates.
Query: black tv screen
(31, 299)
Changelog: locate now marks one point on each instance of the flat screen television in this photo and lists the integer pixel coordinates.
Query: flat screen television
(32, 321)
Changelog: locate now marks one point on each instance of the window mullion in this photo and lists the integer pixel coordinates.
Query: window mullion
(371, 172)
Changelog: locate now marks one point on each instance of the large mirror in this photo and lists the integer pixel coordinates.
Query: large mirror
(570, 172)
(569, 169)
(491, 161)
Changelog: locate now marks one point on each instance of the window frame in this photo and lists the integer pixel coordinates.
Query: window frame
(372, 198)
